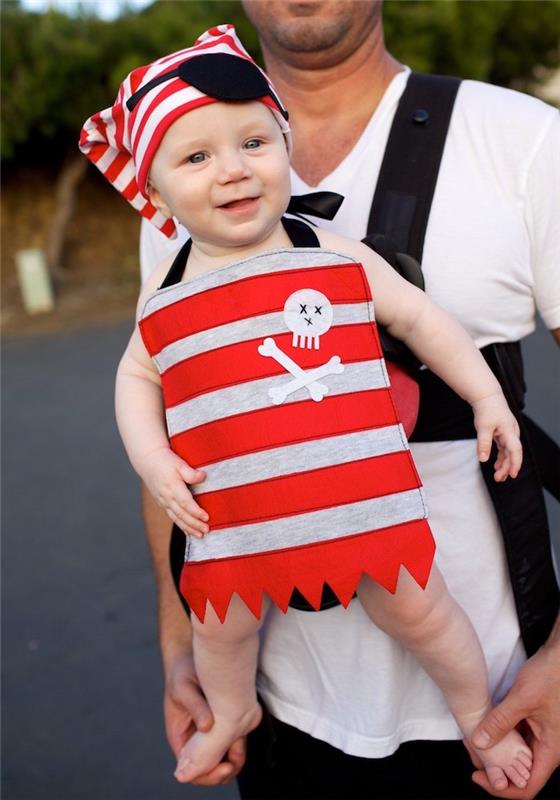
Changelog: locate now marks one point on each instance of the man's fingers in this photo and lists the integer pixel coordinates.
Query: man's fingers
(481, 779)
(237, 754)
(193, 700)
(185, 712)
(475, 758)
(540, 773)
(219, 775)
(228, 769)
(500, 720)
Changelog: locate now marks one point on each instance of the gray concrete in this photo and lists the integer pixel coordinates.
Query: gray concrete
(82, 680)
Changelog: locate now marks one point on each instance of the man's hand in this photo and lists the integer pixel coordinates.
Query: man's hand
(185, 710)
(534, 701)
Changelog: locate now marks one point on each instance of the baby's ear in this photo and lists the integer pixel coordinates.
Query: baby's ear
(156, 200)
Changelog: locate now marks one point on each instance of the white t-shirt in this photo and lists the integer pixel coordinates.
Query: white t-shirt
(491, 255)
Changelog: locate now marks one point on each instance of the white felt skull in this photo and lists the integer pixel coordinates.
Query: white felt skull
(308, 314)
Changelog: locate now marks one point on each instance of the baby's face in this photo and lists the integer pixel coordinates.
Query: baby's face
(223, 171)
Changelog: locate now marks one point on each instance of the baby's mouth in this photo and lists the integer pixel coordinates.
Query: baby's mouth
(239, 205)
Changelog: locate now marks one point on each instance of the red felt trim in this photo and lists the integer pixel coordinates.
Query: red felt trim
(340, 563)
(284, 424)
(247, 297)
(313, 490)
(241, 362)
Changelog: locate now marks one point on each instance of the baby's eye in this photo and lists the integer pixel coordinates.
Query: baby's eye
(197, 158)
(253, 144)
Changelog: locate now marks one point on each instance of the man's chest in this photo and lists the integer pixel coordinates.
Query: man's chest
(319, 150)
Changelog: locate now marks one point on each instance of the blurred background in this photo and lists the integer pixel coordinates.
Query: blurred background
(81, 674)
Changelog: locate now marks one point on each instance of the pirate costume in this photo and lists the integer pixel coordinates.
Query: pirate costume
(273, 379)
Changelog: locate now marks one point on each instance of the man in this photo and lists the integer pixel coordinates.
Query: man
(348, 705)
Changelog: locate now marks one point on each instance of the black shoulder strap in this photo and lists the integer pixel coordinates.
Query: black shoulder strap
(178, 267)
(301, 235)
(408, 176)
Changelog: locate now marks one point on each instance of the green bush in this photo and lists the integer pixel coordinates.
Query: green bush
(58, 69)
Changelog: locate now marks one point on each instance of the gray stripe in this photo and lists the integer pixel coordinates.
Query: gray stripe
(269, 262)
(253, 395)
(310, 528)
(250, 328)
(325, 452)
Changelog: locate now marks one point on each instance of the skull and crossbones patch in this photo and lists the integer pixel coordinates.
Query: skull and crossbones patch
(308, 313)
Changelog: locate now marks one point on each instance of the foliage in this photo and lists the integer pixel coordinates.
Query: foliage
(58, 69)
(500, 41)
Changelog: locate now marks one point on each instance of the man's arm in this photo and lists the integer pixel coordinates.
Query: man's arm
(184, 707)
(556, 335)
(534, 700)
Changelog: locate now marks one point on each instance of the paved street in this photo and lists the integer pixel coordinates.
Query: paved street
(82, 681)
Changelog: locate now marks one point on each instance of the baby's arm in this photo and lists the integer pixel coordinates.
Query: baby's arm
(443, 346)
(140, 419)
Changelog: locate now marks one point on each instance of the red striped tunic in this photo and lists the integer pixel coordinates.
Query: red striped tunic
(274, 383)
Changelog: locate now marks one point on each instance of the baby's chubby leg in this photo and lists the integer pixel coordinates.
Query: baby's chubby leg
(225, 658)
(437, 631)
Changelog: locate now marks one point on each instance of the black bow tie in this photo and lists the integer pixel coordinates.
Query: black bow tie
(316, 204)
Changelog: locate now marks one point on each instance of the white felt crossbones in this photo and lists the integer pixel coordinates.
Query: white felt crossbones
(301, 377)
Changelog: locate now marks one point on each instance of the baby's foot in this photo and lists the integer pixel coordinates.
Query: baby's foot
(508, 760)
(204, 751)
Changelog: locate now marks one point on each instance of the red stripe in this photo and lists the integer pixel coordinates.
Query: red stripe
(96, 151)
(284, 424)
(116, 166)
(237, 363)
(168, 228)
(131, 190)
(157, 135)
(156, 96)
(316, 489)
(248, 297)
(340, 563)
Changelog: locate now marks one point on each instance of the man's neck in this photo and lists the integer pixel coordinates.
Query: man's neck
(330, 108)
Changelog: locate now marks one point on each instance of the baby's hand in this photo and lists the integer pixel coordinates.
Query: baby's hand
(166, 476)
(494, 421)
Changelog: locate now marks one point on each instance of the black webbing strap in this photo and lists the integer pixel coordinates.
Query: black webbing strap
(408, 176)
(548, 456)
(521, 513)
(406, 184)
(178, 267)
(403, 195)
(299, 232)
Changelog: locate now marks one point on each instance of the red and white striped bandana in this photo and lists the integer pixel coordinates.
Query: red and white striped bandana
(123, 139)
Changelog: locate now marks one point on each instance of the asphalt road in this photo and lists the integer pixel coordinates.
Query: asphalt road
(81, 673)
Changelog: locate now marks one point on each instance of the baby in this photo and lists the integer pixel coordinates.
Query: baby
(259, 346)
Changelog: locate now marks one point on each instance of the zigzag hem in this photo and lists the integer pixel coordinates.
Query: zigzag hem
(340, 563)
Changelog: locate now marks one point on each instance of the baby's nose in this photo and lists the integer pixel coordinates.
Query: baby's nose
(233, 167)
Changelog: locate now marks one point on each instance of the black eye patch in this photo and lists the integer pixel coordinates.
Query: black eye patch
(218, 75)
